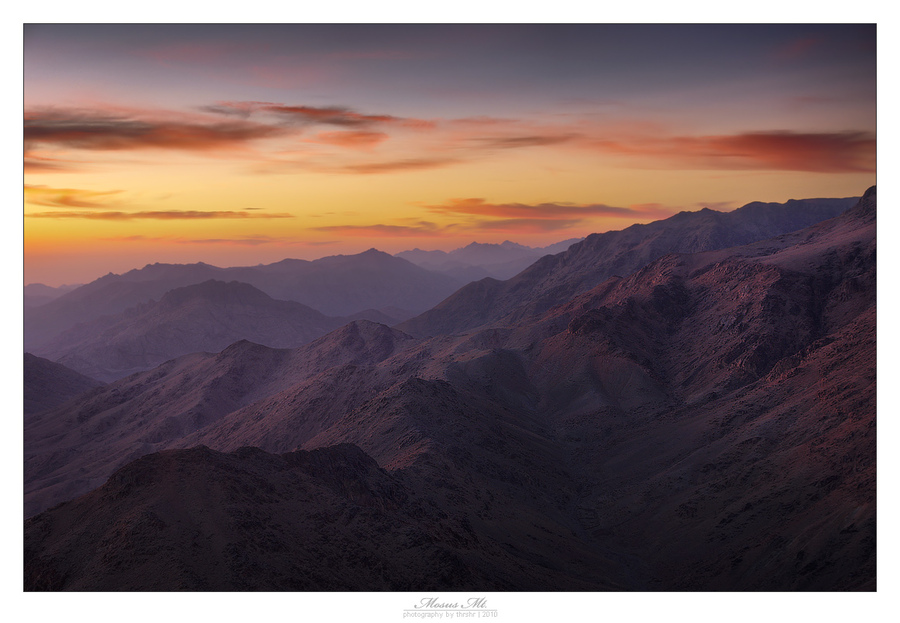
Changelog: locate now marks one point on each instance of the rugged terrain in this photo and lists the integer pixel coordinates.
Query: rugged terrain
(588, 263)
(206, 317)
(704, 422)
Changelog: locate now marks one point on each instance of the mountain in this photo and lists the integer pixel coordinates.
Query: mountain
(704, 423)
(328, 519)
(49, 384)
(590, 262)
(74, 449)
(36, 294)
(479, 260)
(204, 317)
(340, 285)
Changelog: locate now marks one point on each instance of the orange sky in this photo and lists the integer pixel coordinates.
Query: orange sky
(239, 145)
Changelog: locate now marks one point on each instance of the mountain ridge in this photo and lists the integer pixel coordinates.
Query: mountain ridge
(334, 286)
(559, 277)
(704, 423)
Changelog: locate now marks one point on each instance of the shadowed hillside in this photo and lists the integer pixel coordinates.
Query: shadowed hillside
(705, 422)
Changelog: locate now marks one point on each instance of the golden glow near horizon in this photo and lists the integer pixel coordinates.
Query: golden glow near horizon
(269, 142)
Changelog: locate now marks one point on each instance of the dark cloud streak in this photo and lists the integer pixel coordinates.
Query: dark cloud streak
(103, 132)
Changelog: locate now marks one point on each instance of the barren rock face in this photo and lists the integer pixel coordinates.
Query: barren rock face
(704, 423)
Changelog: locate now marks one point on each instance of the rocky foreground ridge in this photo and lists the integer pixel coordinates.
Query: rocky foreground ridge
(704, 423)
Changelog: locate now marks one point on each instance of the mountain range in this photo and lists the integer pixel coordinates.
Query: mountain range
(341, 285)
(37, 294)
(479, 260)
(203, 317)
(588, 263)
(685, 405)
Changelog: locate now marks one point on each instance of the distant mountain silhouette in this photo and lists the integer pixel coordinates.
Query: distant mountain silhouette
(37, 294)
(49, 384)
(479, 260)
(706, 422)
(204, 317)
(341, 285)
(618, 253)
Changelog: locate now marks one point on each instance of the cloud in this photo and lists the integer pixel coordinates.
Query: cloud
(481, 121)
(93, 130)
(359, 139)
(163, 215)
(838, 152)
(39, 164)
(244, 241)
(237, 109)
(477, 215)
(420, 229)
(526, 225)
(67, 197)
(515, 142)
(547, 211)
(310, 115)
(250, 240)
(394, 166)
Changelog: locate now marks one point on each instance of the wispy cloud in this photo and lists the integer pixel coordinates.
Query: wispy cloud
(478, 215)
(547, 211)
(96, 130)
(308, 115)
(67, 197)
(525, 225)
(240, 129)
(420, 229)
(838, 152)
(162, 215)
(359, 139)
(249, 240)
(394, 166)
(242, 241)
(34, 163)
(517, 142)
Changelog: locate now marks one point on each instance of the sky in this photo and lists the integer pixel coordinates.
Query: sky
(240, 144)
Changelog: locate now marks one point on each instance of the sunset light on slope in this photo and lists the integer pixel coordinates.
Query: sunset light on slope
(245, 144)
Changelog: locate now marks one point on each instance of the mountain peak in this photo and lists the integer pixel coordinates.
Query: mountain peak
(215, 291)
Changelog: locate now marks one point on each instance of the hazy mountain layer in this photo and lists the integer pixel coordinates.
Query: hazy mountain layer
(341, 285)
(480, 260)
(706, 423)
(49, 384)
(206, 317)
(37, 294)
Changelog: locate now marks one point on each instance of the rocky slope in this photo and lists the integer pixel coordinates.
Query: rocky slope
(588, 263)
(71, 450)
(705, 423)
(329, 519)
(49, 384)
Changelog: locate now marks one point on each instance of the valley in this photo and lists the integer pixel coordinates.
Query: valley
(684, 405)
